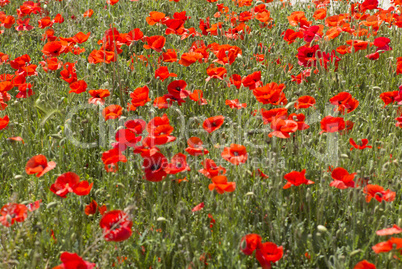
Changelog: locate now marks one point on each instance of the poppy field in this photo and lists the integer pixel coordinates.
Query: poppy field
(200, 134)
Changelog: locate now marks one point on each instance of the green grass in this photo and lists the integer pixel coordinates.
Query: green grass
(166, 234)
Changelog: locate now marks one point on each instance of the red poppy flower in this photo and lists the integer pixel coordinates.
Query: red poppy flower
(4, 122)
(169, 56)
(221, 185)
(364, 265)
(73, 261)
(110, 159)
(210, 169)
(55, 48)
(68, 74)
(395, 229)
(235, 80)
(277, 113)
(102, 56)
(198, 207)
(126, 138)
(252, 81)
(332, 124)
(268, 253)
(213, 123)
(235, 104)
(177, 89)
(345, 102)
(215, 72)
(363, 144)
(378, 192)
(162, 73)
(116, 226)
(305, 102)
(299, 118)
(112, 112)
(137, 125)
(159, 130)
(154, 167)
(155, 42)
(88, 13)
(70, 182)
(307, 55)
(78, 87)
(11, 213)
(249, 243)
(282, 128)
(295, 178)
(155, 17)
(38, 165)
(197, 96)
(235, 154)
(98, 96)
(195, 147)
(342, 179)
(271, 93)
(139, 97)
(178, 164)
(389, 97)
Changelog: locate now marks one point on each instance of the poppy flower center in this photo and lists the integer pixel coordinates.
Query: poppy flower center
(310, 54)
(155, 167)
(178, 89)
(236, 153)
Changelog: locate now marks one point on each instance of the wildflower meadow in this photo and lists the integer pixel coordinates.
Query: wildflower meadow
(200, 134)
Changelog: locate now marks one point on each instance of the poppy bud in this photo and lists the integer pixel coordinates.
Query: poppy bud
(322, 229)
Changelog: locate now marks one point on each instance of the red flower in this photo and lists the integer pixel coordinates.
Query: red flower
(271, 93)
(299, 119)
(363, 144)
(235, 104)
(282, 128)
(163, 73)
(73, 261)
(195, 147)
(342, 179)
(55, 48)
(11, 213)
(295, 178)
(307, 55)
(177, 89)
(345, 102)
(364, 265)
(378, 192)
(139, 97)
(221, 184)
(38, 165)
(70, 182)
(235, 154)
(252, 81)
(304, 102)
(213, 123)
(197, 96)
(126, 138)
(277, 113)
(210, 169)
(112, 112)
(116, 226)
(4, 121)
(198, 207)
(98, 96)
(110, 159)
(332, 124)
(249, 243)
(155, 42)
(154, 167)
(178, 164)
(137, 125)
(395, 229)
(268, 253)
(78, 87)
(235, 80)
